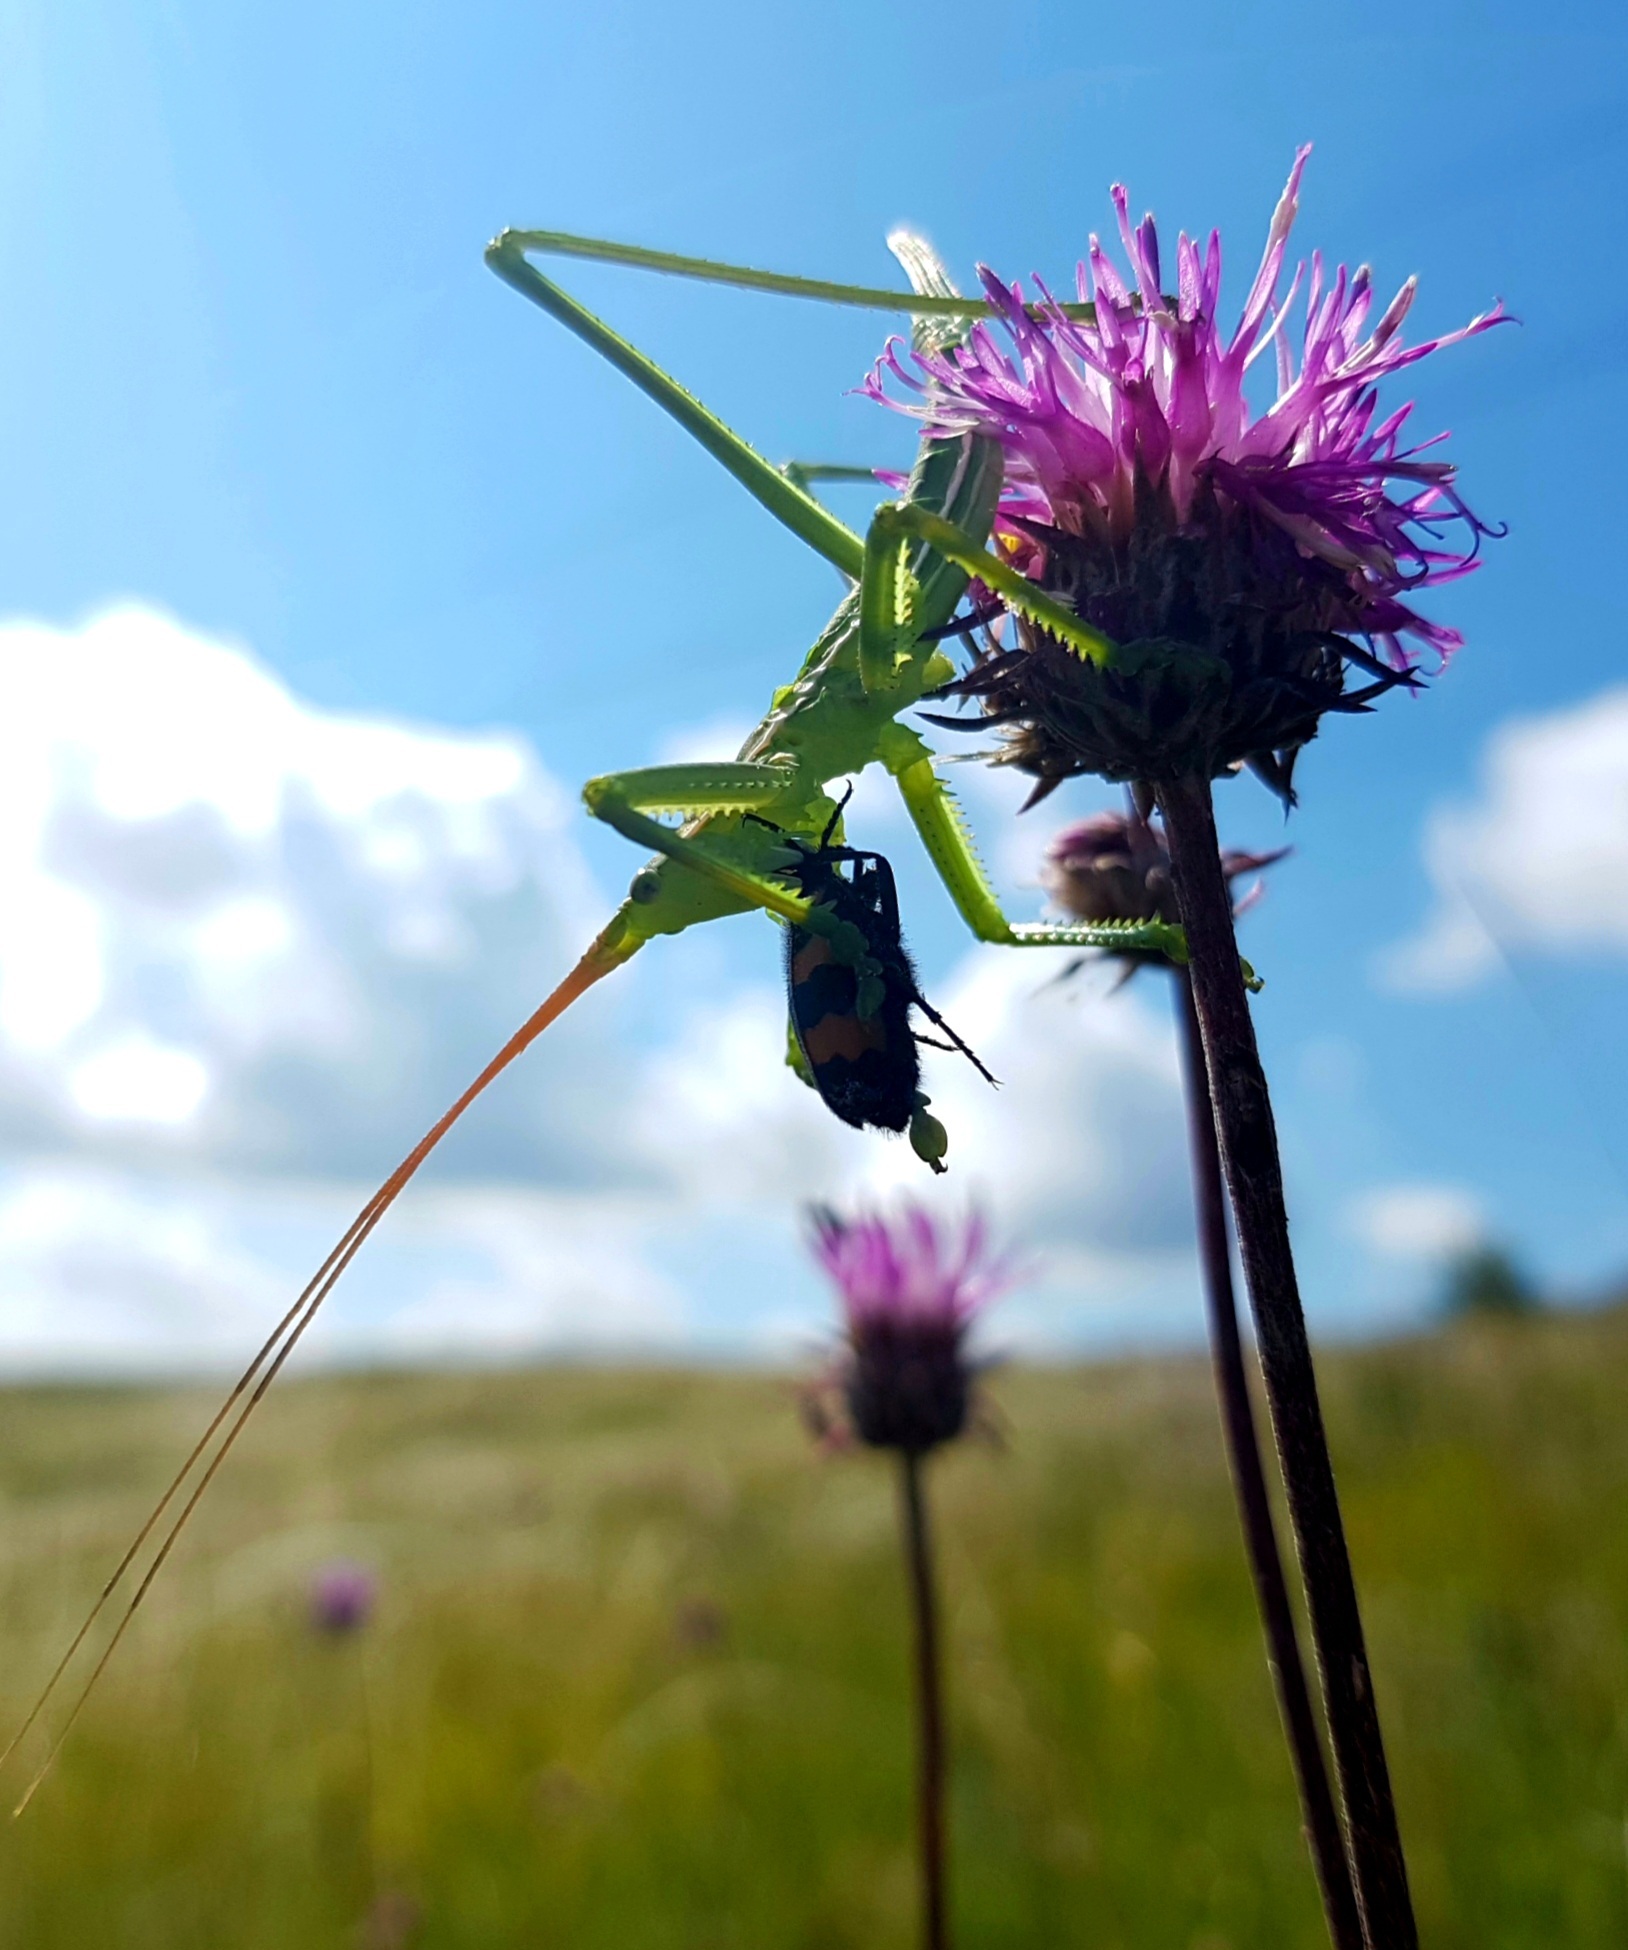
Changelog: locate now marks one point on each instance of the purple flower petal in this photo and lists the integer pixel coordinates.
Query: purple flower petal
(1083, 411)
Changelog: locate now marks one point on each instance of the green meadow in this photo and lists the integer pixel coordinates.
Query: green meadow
(636, 1677)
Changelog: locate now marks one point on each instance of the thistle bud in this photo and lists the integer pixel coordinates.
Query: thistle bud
(1111, 867)
(1116, 867)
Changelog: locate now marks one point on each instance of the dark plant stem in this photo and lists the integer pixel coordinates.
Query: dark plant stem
(918, 1546)
(1243, 1115)
(1254, 1504)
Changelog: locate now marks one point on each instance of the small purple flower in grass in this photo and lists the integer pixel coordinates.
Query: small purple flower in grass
(1251, 558)
(342, 1597)
(910, 1288)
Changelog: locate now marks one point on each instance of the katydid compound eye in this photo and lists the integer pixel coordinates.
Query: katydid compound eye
(645, 886)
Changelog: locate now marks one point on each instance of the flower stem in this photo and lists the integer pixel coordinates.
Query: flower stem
(1254, 1505)
(1255, 1179)
(918, 1546)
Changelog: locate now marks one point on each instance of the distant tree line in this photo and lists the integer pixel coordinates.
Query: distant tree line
(1487, 1281)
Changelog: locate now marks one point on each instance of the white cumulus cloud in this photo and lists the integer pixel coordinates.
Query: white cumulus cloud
(1537, 860)
(1082, 1146)
(250, 948)
(238, 929)
(103, 1269)
(1418, 1221)
(1081, 1142)
(1078, 1157)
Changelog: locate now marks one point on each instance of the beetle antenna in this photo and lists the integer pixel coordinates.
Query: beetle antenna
(966, 1050)
(832, 823)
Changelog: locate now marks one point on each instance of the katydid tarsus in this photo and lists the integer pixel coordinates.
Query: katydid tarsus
(877, 657)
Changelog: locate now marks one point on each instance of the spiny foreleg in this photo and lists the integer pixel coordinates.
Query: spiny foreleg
(733, 860)
(891, 615)
(938, 820)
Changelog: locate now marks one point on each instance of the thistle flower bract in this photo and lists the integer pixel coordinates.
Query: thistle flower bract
(1246, 562)
(910, 1288)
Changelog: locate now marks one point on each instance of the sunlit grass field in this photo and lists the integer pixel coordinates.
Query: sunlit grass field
(636, 1675)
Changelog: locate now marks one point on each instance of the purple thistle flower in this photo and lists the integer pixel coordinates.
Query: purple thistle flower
(342, 1597)
(910, 1288)
(1143, 489)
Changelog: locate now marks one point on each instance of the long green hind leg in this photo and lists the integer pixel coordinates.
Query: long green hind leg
(804, 473)
(940, 317)
(783, 498)
(933, 295)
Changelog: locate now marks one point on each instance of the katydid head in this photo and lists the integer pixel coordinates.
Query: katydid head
(960, 481)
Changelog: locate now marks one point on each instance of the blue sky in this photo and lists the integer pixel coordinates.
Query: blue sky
(261, 385)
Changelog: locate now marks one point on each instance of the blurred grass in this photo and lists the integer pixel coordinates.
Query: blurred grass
(637, 1678)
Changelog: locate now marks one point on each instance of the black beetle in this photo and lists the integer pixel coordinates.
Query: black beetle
(849, 993)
